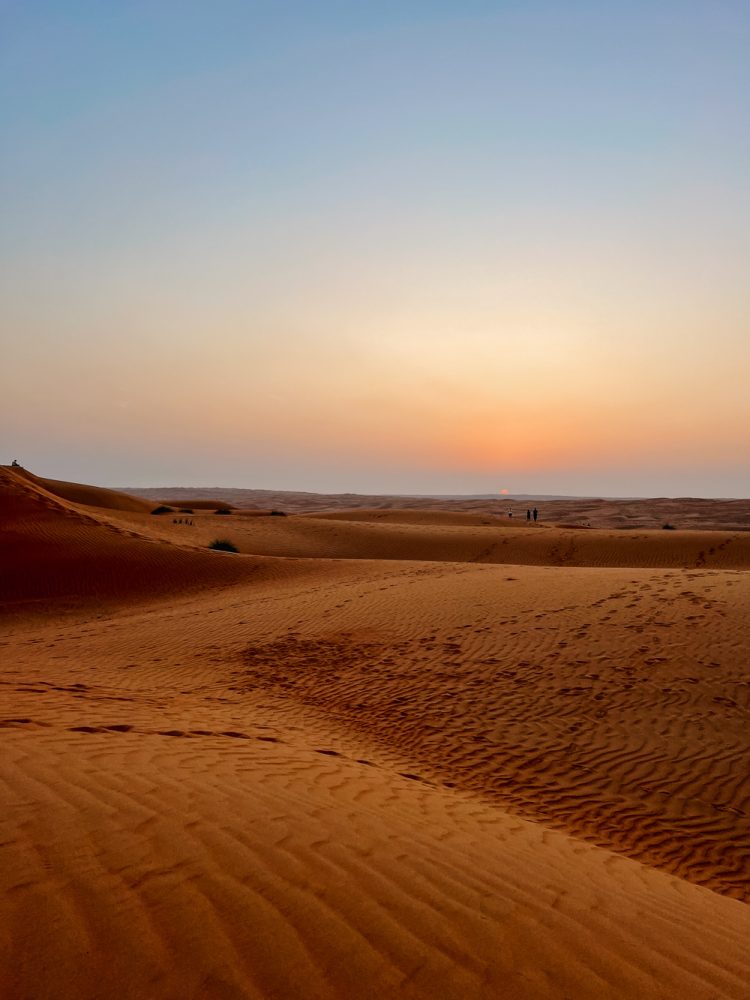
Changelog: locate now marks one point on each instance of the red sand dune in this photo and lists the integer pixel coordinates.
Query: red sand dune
(56, 551)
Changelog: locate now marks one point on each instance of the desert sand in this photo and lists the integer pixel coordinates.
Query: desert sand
(376, 753)
(682, 513)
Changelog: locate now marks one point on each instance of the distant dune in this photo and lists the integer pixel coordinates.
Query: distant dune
(378, 752)
(685, 513)
(450, 536)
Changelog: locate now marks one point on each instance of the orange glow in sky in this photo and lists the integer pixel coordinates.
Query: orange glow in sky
(249, 256)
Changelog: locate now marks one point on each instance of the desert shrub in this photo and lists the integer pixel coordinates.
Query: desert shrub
(278, 513)
(161, 509)
(667, 527)
(223, 545)
(223, 510)
(186, 510)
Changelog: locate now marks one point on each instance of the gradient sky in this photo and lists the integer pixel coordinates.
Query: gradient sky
(388, 247)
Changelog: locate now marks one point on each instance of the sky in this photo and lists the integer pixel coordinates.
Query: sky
(416, 247)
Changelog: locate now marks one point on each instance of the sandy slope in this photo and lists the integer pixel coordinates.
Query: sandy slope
(365, 778)
(448, 537)
(57, 553)
(78, 493)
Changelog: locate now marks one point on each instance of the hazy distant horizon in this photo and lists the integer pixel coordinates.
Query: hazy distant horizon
(100, 473)
(499, 497)
(398, 248)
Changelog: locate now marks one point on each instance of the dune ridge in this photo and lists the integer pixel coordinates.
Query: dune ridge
(77, 493)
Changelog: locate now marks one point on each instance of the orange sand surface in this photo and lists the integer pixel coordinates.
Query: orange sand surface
(380, 754)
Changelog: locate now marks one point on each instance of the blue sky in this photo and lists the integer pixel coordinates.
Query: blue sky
(414, 246)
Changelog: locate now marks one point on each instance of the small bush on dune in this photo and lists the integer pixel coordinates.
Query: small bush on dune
(161, 509)
(667, 527)
(223, 510)
(223, 545)
(278, 513)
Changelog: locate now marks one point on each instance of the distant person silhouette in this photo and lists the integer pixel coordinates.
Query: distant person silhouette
(536, 513)
(528, 515)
